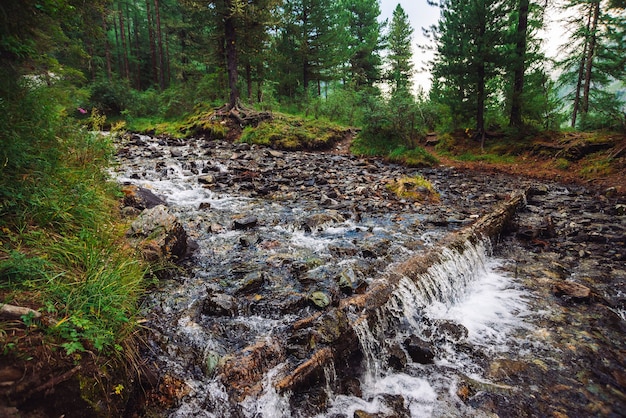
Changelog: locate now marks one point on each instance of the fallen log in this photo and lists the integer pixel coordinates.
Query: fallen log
(366, 305)
(13, 311)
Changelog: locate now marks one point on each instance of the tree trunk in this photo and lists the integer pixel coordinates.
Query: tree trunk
(159, 41)
(126, 68)
(107, 47)
(579, 85)
(137, 48)
(126, 73)
(584, 108)
(259, 83)
(230, 37)
(168, 75)
(153, 52)
(249, 81)
(515, 118)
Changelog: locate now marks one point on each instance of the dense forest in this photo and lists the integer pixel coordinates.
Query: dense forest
(161, 58)
(70, 68)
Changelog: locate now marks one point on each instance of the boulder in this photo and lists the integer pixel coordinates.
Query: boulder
(140, 198)
(159, 235)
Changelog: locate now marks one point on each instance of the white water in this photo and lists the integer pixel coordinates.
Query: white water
(489, 304)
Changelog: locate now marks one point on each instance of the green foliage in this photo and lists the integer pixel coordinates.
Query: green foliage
(109, 97)
(416, 157)
(414, 188)
(60, 240)
(293, 133)
(487, 157)
(399, 58)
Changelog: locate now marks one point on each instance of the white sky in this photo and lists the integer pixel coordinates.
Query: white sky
(421, 15)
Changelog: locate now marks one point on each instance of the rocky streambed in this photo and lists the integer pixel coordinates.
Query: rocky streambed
(254, 322)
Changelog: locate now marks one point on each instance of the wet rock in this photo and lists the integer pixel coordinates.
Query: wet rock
(343, 250)
(571, 291)
(208, 179)
(507, 369)
(219, 304)
(317, 221)
(320, 299)
(419, 350)
(397, 358)
(447, 330)
(159, 235)
(204, 206)
(348, 281)
(252, 282)
(245, 223)
(140, 198)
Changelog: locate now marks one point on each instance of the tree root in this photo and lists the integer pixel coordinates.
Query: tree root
(242, 115)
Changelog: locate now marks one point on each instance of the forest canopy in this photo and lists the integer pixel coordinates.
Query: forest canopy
(162, 58)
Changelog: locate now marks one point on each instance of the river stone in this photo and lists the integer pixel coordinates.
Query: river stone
(571, 291)
(245, 223)
(397, 357)
(320, 299)
(419, 350)
(207, 179)
(140, 198)
(159, 235)
(219, 304)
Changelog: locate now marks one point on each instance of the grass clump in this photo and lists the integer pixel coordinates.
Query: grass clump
(415, 188)
(62, 250)
(293, 133)
(416, 157)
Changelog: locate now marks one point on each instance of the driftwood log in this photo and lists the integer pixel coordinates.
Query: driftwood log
(332, 332)
(12, 311)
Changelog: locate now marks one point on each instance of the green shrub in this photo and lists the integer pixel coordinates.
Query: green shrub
(415, 157)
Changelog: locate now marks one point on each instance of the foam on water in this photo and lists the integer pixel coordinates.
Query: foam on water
(490, 308)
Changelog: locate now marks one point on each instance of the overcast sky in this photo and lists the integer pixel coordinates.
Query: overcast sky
(421, 15)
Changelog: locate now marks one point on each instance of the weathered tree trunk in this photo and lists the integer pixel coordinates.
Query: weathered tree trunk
(159, 41)
(107, 47)
(249, 81)
(230, 37)
(584, 108)
(515, 118)
(126, 73)
(153, 52)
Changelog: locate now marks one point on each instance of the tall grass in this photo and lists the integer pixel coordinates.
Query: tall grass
(61, 239)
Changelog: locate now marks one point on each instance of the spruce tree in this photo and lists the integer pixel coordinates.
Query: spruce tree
(470, 39)
(400, 54)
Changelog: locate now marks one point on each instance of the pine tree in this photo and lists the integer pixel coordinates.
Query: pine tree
(470, 38)
(360, 17)
(594, 58)
(400, 54)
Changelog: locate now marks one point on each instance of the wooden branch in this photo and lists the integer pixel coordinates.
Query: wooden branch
(54, 381)
(13, 311)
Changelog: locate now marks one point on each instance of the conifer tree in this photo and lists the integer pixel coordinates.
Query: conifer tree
(399, 47)
(364, 43)
(470, 38)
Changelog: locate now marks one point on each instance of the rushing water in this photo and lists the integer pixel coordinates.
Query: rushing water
(467, 307)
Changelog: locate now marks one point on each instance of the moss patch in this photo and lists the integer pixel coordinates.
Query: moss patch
(415, 188)
(292, 134)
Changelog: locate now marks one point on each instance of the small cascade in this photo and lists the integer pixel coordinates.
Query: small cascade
(447, 280)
